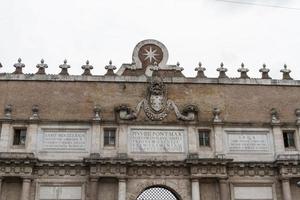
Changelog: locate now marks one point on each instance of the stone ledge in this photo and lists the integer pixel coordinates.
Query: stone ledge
(143, 79)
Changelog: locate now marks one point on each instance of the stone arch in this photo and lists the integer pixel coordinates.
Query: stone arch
(173, 187)
(159, 190)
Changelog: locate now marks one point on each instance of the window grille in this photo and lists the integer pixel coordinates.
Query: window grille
(288, 138)
(204, 138)
(157, 193)
(109, 137)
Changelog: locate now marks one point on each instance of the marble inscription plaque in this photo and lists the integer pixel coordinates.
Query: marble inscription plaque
(64, 140)
(248, 142)
(157, 140)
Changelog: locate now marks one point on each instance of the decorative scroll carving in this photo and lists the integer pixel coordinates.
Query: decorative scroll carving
(156, 105)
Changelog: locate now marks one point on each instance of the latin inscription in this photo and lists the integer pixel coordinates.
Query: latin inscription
(157, 140)
(247, 142)
(64, 140)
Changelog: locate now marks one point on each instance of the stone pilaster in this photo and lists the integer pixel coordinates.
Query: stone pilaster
(123, 138)
(193, 138)
(1, 179)
(25, 189)
(5, 136)
(286, 189)
(32, 132)
(224, 189)
(96, 130)
(195, 189)
(122, 189)
(278, 139)
(218, 133)
(93, 188)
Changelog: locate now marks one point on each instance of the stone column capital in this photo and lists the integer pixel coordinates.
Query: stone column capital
(195, 179)
(122, 179)
(94, 179)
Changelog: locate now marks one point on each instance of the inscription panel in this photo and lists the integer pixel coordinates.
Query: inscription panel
(157, 140)
(68, 140)
(248, 141)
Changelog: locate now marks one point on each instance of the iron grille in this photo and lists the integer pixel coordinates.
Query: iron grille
(157, 193)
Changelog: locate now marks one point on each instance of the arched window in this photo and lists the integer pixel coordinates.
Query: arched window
(157, 193)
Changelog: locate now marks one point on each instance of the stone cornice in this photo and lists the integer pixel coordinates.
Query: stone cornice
(143, 79)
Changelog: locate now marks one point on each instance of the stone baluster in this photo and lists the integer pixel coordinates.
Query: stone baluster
(224, 189)
(286, 189)
(93, 188)
(195, 189)
(122, 189)
(26, 189)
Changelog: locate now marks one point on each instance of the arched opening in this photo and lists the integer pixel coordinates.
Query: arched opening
(157, 193)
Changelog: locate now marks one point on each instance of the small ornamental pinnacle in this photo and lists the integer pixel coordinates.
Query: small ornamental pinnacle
(297, 113)
(265, 72)
(200, 71)
(35, 112)
(274, 117)
(286, 73)
(64, 68)
(178, 68)
(87, 69)
(19, 67)
(110, 69)
(243, 71)
(7, 111)
(216, 113)
(97, 111)
(41, 67)
(222, 71)
(0, 65)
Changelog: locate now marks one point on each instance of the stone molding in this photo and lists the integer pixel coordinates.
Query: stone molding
(25, 165)
(143, 79)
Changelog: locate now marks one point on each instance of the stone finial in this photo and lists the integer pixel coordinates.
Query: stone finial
(297, 113)
(243, 71)
(41, 67)
(178, 68)
(1, 65)
(7, 111)
(264, 72)
(216, 113)
(286, 73)
(110, 69)
(35, 112)
(97, 111)
(274, 116)
(19, 67)
(64, 68)
(200, 71)
(87, 68)
(222, 71)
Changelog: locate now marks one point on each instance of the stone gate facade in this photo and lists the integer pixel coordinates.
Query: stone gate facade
(115, 136)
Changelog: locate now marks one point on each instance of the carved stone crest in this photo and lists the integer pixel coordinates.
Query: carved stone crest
(156, 105)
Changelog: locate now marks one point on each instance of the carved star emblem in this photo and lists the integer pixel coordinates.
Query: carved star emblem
(150, 54)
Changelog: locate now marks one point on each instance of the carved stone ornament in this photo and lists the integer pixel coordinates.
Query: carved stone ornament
(7, 111)
(156, 105)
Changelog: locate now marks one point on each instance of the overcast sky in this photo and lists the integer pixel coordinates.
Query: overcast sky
(210, 31)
